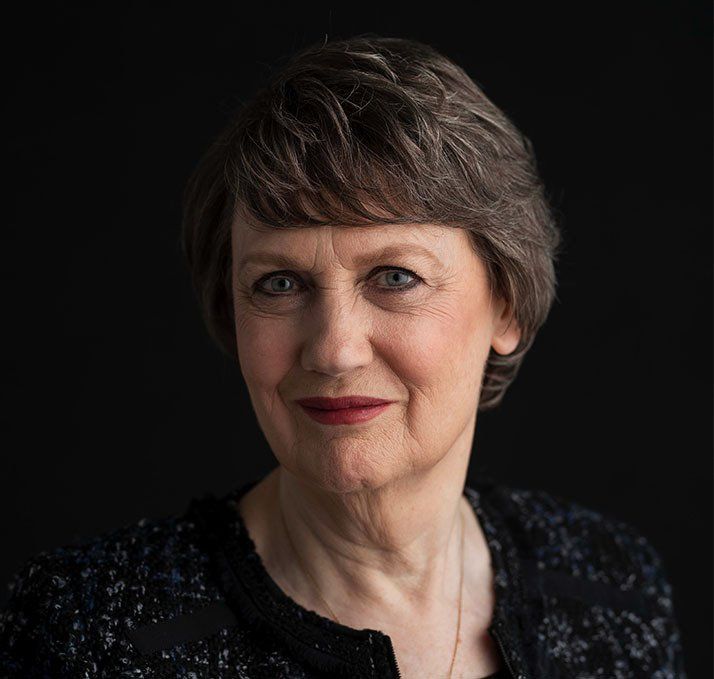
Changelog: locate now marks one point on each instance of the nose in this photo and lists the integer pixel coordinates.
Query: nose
(337, 336)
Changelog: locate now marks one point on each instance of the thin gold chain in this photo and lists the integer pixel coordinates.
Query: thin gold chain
(319, 593)
(461, 596)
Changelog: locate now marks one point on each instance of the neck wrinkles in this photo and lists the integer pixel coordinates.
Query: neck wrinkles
(364, 559)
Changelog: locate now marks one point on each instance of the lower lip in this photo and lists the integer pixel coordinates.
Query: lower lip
(345, 415)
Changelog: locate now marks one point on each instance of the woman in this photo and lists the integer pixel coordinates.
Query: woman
(370, 240)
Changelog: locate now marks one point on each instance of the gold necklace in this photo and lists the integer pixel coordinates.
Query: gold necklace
(319, 593)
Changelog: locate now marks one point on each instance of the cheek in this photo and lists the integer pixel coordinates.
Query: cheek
(440, 354)
(265, 354)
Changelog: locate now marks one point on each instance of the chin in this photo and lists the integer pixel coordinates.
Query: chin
(347, 467)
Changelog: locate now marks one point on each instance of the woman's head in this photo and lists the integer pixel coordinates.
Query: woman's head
(353, 146)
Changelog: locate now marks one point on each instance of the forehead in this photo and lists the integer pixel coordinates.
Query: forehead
(348, 244)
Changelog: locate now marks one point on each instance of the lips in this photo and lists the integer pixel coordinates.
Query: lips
(344, 410)
(324, 403)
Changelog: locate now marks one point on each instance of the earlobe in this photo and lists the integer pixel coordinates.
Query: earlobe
(506, 334)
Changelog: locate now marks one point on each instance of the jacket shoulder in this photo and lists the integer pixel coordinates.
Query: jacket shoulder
(69, 606)
(571, 552)
(567, 535)
(562, 534)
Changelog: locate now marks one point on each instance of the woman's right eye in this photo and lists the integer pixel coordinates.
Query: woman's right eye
(278, 284)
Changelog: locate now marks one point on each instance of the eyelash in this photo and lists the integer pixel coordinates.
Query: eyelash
(381, 269)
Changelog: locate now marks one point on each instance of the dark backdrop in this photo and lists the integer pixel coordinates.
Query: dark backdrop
(120, 407)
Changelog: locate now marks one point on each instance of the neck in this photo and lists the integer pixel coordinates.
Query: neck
(390, 549)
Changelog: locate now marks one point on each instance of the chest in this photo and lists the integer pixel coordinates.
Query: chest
(426, 651)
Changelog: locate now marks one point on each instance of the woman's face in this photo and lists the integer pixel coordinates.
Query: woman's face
(397, 312)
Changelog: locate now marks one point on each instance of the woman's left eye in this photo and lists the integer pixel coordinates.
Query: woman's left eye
(395, 279)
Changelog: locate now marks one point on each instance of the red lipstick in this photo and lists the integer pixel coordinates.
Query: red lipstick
(343, 410)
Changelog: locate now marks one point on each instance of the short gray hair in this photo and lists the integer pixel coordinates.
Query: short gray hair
(386, 122)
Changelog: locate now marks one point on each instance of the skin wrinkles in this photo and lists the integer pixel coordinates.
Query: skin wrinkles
(282, 302)
(374, 507)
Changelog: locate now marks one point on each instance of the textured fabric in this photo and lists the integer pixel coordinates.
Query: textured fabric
(578, 595)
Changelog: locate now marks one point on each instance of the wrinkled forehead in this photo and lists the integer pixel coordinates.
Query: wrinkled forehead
(349, 244)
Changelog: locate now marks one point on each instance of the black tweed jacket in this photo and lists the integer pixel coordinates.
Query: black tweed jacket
(578, 595)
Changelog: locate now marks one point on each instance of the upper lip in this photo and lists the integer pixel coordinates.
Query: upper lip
(325, 403)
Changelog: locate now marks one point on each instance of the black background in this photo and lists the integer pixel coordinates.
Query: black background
(120, 407)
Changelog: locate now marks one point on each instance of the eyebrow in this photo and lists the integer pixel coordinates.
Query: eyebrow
(387, 252)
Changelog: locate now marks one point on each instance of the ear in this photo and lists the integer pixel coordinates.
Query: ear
(506, 332)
